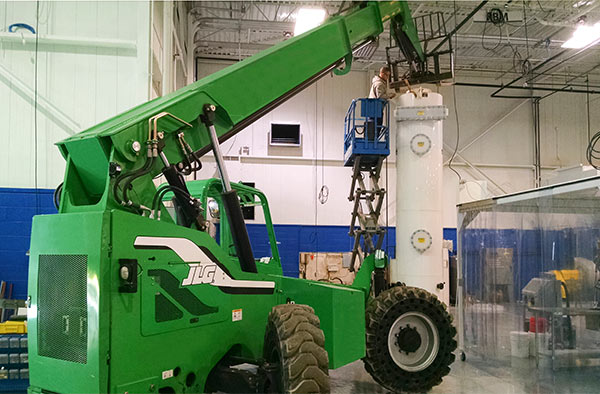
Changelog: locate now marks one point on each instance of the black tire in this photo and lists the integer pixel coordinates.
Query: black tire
(294, 343)
(389, 311)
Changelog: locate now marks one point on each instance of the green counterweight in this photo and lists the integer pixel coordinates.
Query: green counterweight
(125, 299)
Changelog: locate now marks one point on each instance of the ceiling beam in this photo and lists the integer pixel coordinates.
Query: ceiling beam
(235, 24)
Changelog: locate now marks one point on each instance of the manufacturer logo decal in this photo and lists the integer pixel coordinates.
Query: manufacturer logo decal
(204, 267)
(200, 273)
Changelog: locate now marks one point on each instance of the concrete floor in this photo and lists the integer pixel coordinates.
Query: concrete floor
(479, 377)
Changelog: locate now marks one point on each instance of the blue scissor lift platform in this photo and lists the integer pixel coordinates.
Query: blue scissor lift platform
(366, 146)
(366, 134)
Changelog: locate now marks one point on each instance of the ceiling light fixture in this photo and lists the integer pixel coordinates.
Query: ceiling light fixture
(582, 3)
(583, 36)
(308, 18)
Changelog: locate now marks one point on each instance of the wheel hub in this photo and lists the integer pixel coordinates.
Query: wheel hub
(408, 339)
(413, 341)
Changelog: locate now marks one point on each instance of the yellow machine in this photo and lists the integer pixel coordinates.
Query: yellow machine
(571, 279)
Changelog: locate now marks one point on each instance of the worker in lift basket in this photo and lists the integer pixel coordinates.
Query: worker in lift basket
(379, 86)
(379, 89)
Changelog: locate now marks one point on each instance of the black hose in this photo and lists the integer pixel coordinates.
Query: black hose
(197, 159)
(142, 171)
(116, 188)
(188, 169)
(188, 151)
(134, 174)
(156, 196)
(191, 151)
(56, 195)
(164, 190)
(593, 154)
(564, 286)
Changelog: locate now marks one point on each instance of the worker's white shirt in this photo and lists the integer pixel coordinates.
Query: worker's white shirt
(379, 88)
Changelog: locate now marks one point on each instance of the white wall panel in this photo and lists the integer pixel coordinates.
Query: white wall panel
(86, 82)
(563, 119)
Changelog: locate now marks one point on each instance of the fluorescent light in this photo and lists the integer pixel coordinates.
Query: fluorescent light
(582, 3)
(308, 18)
(583, 36)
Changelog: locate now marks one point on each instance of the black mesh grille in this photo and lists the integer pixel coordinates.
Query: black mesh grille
(62, 307)
(164, 310)
(182, 296)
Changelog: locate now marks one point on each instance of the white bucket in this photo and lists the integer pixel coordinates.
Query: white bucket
(519, 344)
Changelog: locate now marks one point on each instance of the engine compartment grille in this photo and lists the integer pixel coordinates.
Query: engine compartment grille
(62, 324)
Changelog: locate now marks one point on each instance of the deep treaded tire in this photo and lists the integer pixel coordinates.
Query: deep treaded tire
(392, 309)
(295, 343)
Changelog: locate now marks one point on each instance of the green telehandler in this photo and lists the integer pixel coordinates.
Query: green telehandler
(126, 296)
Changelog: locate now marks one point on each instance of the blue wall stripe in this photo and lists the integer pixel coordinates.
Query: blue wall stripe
(531, 248)
(18, 206)
(294, 239)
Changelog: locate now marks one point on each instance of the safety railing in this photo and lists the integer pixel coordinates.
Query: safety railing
(366, 133)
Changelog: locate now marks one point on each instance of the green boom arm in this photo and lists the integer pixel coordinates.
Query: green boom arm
(241, 94)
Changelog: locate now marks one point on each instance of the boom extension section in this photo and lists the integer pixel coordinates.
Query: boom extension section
(106, 167)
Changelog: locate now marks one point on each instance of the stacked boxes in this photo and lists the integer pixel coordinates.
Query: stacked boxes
(14, 363)
(328, 267)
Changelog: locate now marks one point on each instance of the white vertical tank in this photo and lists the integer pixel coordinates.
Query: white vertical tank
(419, 167)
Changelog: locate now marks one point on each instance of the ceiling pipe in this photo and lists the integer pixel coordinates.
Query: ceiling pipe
(69, 43)
(543, 89)
(547, 23)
